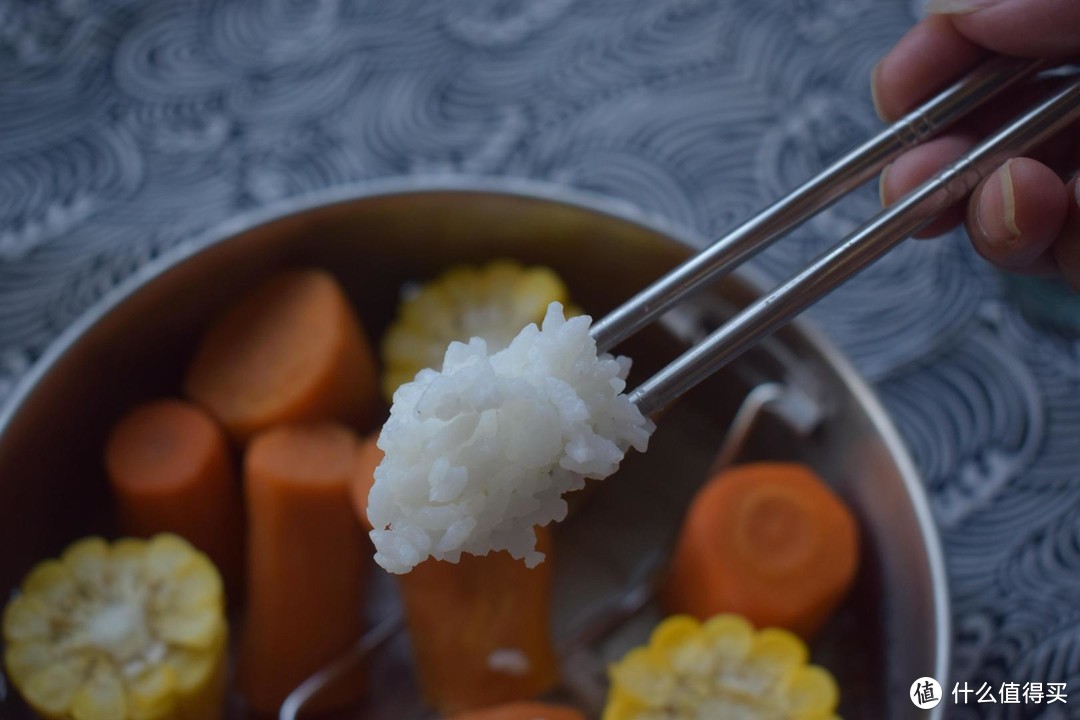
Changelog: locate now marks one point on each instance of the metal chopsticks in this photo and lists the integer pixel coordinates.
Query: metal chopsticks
(813, 196)
(856, 251)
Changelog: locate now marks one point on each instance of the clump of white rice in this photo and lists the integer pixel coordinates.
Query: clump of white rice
(479, 454)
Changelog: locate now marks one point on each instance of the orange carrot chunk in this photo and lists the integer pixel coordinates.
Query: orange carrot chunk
(497, 646)
(307, 562)
(292, 350)
(169, 467)
(769, 541)
(522, 711)
(480, 628)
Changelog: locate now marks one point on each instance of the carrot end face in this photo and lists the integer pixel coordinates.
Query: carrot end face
(170, 470)
(769, 541)
(291, 350)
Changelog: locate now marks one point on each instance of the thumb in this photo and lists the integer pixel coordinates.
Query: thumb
(1026, 28)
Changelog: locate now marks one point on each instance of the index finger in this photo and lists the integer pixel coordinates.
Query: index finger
(1024, 28)
(929, 57)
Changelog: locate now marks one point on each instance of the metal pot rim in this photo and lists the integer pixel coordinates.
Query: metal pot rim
(531, 189)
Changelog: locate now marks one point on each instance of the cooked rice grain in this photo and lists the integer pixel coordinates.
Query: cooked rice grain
(481, 453)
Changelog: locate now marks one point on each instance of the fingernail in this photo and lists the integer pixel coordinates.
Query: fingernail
(957, 7)
(1008, 199)
(881, 184)
(997, 221)
(874, 91)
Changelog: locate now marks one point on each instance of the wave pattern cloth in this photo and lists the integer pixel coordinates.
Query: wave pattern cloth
(127, 126)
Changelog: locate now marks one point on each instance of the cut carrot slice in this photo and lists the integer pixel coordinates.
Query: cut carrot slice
(522, 711)
(169, 467)
(292, 350)
(307, 562)
(769, 541)
(480, 627)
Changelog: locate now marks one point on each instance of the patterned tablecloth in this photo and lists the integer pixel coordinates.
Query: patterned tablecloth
(127, 126)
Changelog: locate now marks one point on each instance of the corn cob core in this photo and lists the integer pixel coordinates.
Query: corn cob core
(135, 630)
(493, 302)
(720, 669)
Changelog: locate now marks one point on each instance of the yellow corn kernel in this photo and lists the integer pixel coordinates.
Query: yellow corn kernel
(722, 668)
(493, 302)
(811, 692)
(101, 696)
(135, 630)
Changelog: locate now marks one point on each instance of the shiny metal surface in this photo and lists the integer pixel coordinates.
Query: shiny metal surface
(893, 628)
(860, 248)
(369, 643)
(813, 196)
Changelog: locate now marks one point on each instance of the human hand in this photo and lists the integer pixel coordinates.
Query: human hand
(1025, 216)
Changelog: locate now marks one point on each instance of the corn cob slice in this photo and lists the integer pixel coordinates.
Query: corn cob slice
(135, 630)
(720, 669)
(493, 302)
